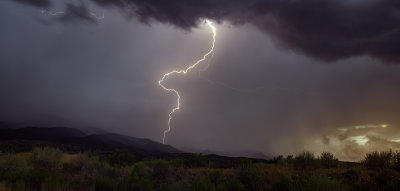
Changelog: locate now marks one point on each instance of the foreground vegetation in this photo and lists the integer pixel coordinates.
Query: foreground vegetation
(50, 169)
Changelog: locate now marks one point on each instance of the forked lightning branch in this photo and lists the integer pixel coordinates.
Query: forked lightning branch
(184, 71)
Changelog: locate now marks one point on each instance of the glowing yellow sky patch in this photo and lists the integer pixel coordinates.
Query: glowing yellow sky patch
(384, 125)
(360, 140)
(396, 140)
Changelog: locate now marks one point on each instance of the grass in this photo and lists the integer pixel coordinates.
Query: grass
(51, 169)
(2, 187)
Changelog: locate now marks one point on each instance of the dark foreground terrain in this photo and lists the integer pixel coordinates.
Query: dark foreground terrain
(51, 169)
(67, 159)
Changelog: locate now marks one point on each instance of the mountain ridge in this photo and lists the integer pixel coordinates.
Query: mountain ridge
(77, 138)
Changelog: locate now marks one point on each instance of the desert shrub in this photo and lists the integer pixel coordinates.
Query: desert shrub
(328, 160)
(203, 183)
(198, 160)
(54, 182)
(362, 187)
(215, 177)
(395, 186)
(77, 163)
(9, 162)
(252, 175)
(283, 184)
(178, 163)
(140, 178)
(375, 160)
(318, 183)
(221, 183)
(105, 183)
(46, 158)
(221, 187)
(234, 184)
(2, 186)
(304, 160)
(121, 157)
(14, 179)
(287, 162)
(277, 159)
(36, 178)
(396, 160)
(160, 168)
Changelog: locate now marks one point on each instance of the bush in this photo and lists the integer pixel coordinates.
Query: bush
(198, 160)
(160, 168)
(46, 158)
(178, 163)
(287, 162)
(105, 183)
(54, 182)
(77, 163)
(282, 185)
(121, 157)
(36, 178)
(318, 183)
(235, 185)
(328, 160)
(203, 183)
(215, 177)
(304, 160)
(140, 179)
(2, 186)
(252, 175)
(10, 162)
(375, 160)
(396, 160)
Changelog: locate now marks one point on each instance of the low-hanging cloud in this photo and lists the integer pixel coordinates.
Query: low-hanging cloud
(37, 3)
(328, 30)
(76, 12)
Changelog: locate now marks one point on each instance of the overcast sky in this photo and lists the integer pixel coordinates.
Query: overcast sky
(286, 76)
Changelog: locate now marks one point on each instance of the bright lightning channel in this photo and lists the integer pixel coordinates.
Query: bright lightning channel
(52, 13)
(184, 71)
(92, 13)
(96, 16)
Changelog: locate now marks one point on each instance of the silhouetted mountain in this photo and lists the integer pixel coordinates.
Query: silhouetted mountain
(74, 140)
(136, 145)
(232, 153)
(5, 125)
(85, 129)
(41, 133)
(92, 130)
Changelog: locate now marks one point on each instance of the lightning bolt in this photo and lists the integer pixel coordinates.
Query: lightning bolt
(184, 71)
(92, 13)
(52, 13)
(96, 16)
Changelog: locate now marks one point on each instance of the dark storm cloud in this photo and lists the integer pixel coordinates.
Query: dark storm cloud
(253, 96)
(323, 29)
(75, 13)
(37, 3)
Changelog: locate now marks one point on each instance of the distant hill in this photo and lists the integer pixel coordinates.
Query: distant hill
(232, 153)
(74, 140)
(13, 138)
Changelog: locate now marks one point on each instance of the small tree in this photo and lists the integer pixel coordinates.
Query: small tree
(203, 183)
(198, 160)
(121, 157)
(252, 175)
(396, 160)
(46, 158)
(319, 182)
(304, 160)
(328, 160)
(375, 160)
